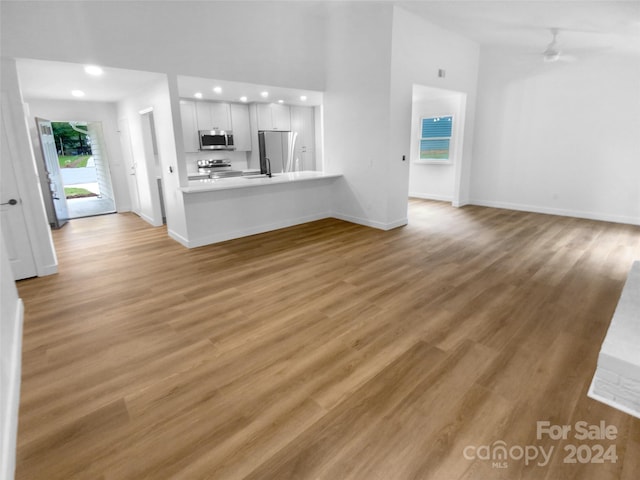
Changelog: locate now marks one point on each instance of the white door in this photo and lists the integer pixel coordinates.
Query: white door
(127, 150)
(12, 221)
(56, 183)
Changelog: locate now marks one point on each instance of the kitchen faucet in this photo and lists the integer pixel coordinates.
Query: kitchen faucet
(268, 165)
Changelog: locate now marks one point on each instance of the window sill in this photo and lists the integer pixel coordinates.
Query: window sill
(432, 162)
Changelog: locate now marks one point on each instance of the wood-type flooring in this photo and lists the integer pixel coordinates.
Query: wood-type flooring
(325, 351)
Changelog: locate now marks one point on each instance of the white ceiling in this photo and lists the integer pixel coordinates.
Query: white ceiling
(519, 25)
(56, 80)
(524, 25)
(232, 91)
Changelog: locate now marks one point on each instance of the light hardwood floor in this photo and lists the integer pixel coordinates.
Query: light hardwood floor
(322, 351)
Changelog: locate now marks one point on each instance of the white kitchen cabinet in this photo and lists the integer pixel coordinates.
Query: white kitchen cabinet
(213, 116)
(241, 127)
(272, 116)
(303, 122)
(189, 126)
(281, 117)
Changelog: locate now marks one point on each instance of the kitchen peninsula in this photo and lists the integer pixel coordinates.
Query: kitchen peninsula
(225, 208)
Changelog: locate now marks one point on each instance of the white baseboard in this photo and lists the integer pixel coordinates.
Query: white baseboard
(612, 403)
(45, 270)
(9, 419)
(148, 219)
(397, 224)
(557, 211)
(370, 223)
(223, 237)
(432, 196)
(178, 238)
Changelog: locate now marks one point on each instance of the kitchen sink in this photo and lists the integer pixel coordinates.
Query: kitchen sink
(263, 175)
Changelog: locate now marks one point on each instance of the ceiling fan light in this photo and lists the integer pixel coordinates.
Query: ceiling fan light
(550, 57)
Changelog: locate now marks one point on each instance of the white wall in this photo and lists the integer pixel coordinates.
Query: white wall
(229, 40)
(219, 215)
(356, 109)
(60, 110)
(375, 54)
(559, 138)
(428, 180)
(11, 317)
(420, 49)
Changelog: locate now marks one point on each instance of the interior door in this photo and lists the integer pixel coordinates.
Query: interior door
(12, 220)
(127, 150)
(56, 184)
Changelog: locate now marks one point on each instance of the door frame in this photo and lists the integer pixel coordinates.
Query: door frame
(150, 151)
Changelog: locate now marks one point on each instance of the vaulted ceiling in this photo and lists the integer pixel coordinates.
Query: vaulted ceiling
(525, 24)
(520, 26)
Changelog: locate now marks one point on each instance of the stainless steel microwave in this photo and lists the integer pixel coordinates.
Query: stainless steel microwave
(216, 140)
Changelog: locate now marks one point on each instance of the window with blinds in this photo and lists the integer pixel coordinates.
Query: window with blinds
(435, 138)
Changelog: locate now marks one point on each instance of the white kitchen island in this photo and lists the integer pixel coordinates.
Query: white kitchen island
(225, 208)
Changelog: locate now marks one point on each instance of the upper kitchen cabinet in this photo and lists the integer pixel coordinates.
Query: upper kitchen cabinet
(241, 128)
(272, 116)
(189, 126)
(213, 116)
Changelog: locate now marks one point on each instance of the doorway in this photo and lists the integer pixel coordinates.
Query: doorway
(437, 133)
(84, 168)
(152, 161)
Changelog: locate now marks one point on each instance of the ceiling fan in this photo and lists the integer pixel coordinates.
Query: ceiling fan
(553, 53)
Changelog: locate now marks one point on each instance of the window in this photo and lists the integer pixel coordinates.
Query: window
(435, 138)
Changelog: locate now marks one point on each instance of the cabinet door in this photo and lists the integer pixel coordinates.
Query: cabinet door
(213, 116)
(272, 116)
(189, 126)
(203, 114)
(241, 128)
(220, 116)
(264, 116)
(280, 117)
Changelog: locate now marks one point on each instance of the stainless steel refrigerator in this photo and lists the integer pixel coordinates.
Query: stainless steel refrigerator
(279, 148)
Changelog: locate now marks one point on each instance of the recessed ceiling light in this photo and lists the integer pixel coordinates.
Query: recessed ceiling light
(264, 94)
(280, 101)
(93, 70)
(77, 93)
(217, 89)
(243, 99)
(303, 97)
(198, 94)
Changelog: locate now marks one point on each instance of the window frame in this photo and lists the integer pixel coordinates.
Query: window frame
(434, 161)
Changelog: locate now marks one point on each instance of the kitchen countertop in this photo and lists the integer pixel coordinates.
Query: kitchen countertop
(213, 184)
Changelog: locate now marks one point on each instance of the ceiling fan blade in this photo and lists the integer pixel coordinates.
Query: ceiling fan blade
(567, 58)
